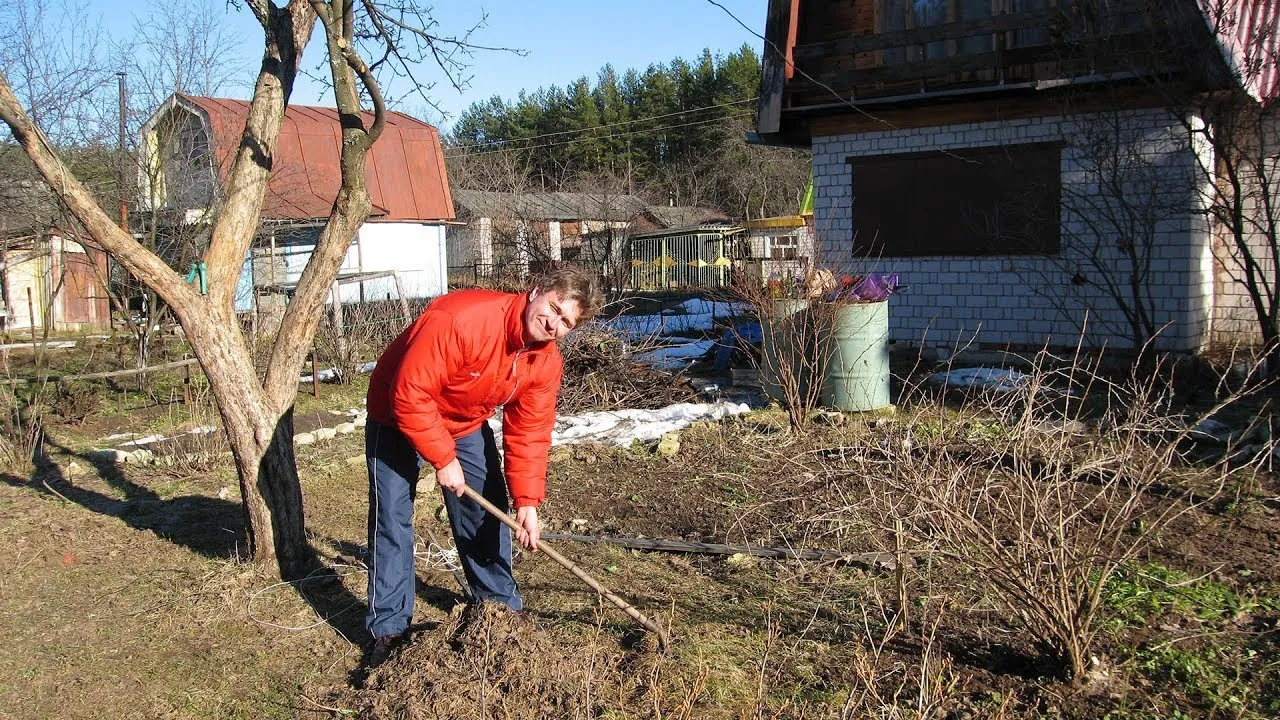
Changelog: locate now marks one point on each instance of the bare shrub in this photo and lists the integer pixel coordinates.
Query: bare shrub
(795, 343)
(1038, 494)
(367, 329)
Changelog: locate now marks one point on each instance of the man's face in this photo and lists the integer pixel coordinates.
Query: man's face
(548, 317)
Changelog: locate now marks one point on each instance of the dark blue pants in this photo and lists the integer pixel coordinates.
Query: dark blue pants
(483, 542)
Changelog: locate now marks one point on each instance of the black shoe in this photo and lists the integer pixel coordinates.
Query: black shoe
(381, 650)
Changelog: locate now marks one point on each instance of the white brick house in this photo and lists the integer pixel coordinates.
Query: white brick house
(1015, 165)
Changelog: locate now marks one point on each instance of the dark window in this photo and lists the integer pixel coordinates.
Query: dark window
(988, 201)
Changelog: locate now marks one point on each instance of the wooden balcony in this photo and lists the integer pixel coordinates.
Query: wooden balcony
(1074, 40)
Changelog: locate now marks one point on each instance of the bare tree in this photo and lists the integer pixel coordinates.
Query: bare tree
(257, 413)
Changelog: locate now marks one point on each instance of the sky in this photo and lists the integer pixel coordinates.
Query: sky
(563, 39)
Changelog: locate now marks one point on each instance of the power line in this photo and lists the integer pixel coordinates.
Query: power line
(609, 125)
(600, 137)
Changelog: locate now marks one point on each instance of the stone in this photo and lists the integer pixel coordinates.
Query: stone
(109, 455)
(442, 514)
(741, 561)
(669, 445)
(355, 461)
(345, 428)
(578, 525)
(559, 454)
(834, 418)
(74, 468)
(325, 433)
(140, 457)
(304, 439)
(1211, 431)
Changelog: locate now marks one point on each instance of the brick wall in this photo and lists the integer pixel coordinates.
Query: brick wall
(1031, 300)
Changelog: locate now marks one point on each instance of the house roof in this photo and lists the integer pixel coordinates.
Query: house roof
(1246, 33)
(405, 170)
(682, 215)
(548, 206)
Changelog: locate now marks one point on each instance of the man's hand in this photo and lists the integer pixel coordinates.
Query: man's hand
(529, 532)
(451, 478)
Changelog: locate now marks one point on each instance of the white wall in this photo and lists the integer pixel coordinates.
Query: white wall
(415, 250)
(1029, 300)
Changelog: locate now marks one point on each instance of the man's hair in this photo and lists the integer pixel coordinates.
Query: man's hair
(575, 284)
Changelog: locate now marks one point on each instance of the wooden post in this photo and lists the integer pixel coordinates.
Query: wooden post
(31, 317)
(337, 323)
(404, 301)
(186, 386)
(315, 376)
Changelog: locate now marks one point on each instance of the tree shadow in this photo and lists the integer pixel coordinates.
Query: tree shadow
(212, 527)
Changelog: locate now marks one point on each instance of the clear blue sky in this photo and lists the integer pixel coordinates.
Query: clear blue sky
(565, 39)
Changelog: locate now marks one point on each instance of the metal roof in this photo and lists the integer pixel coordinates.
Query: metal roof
(405, 170)
(1247, 34)
(548, 206)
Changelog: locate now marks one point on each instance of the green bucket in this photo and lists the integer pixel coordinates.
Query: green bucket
(857, 369)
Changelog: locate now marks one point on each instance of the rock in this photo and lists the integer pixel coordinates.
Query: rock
(669, 445)
(325, 433)
(304, 439)
(578, 525)
(74, 468)
(1211, 431)
(355, 461)
(109, 455)
(140, 457)
(345, 428)
(559, 454)
(442, 514)
(834, 418)
(741, 561)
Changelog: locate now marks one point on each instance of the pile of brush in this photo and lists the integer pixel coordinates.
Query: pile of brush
(601, 372)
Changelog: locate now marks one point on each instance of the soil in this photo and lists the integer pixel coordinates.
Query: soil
(490, 662)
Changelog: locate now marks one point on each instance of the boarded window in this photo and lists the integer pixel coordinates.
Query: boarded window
(988, 201)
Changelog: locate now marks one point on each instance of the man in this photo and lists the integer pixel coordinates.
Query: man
(430, 398)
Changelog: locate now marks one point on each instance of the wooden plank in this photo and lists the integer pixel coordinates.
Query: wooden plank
(110, 374)
(773, 78)
(925, 35)
(1041, 104)
(947, 31)
(868, 559)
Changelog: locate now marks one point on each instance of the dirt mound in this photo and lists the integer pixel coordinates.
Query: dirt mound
(490, 662)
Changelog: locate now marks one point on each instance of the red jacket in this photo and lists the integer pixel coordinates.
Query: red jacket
(461, 359)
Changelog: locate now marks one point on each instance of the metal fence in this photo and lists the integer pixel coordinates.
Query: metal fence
(698, 260)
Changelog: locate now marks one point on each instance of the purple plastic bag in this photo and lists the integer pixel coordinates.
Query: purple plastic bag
(875, 287)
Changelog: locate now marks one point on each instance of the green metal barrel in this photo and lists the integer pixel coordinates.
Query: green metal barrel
(857, 370)
(782, 350)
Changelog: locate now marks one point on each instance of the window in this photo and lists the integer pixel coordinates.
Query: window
(986, 201)
(783, 248)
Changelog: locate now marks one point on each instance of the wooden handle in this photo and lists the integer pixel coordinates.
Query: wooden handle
(572, 567)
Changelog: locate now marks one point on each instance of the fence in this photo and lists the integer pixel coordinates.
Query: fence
(698, 260)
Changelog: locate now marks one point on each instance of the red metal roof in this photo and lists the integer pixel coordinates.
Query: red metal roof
(405, 170)
(1248, 34)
